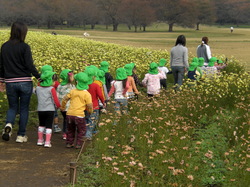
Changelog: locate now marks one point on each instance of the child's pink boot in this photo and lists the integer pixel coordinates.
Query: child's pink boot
(40, 140)
(48, 138)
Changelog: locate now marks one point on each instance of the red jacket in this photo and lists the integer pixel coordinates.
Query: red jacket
(96, 93)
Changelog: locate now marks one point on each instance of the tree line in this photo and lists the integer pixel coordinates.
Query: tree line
(134, 13)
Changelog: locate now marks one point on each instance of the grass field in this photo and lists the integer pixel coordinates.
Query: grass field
(221, 41)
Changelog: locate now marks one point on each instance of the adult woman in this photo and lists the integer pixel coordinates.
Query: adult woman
(16, 67)
(179, 60)
(203, 50)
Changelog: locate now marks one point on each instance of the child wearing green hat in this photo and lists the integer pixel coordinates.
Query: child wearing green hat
(200, 67)
(165, 70)
(96, 95)
(132, 90)
(211, 70)
(47, 100)
(104, 65)
(80, 100)
(193, 74)
(119, 88)
(220, 65)
(152, 79)
(100, 80)
(66, 85)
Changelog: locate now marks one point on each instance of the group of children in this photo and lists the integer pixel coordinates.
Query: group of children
(81, 103)
(198, 71)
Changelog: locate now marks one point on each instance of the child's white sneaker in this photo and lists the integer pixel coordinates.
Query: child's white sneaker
(47, 144)
(22, 139)
(57, 128)
(40, 142)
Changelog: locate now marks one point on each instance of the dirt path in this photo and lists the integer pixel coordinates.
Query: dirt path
(30, 165)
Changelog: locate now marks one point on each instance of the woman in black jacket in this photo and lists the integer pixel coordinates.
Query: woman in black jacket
(16, 70)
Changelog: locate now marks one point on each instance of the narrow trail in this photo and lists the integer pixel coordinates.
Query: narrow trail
(30, 165)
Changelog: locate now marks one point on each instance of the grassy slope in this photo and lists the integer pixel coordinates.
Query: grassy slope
(221, 41)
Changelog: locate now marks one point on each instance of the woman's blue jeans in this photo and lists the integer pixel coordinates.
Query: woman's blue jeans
(178, 73)
(19, 94)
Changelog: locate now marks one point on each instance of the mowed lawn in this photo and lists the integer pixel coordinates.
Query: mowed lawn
(221, 41)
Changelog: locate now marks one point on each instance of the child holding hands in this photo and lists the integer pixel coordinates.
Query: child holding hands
(80, 100)
(63, 89)
(47, 100)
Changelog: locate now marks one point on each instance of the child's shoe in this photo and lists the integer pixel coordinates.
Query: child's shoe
(78, 146)
(47, 144)
(40, 140)
(22, 139)
(48, 138)
(69, 145)
(57, 128)
(64, 136)
(7, 132)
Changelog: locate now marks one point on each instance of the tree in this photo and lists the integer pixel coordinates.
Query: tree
(112, 9)
(232, 11)
(205, 12)
(178, 11)
(137, 13)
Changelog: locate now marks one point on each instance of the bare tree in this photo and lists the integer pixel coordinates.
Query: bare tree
(205, 12)
(137, 13)
(112, 10)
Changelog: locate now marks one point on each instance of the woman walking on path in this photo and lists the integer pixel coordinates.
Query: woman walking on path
(16, 70)
(179, 60)
(203, 50)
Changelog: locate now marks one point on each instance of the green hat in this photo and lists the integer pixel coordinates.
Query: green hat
(46, 68)
(153, 68)
(104, 65)
(46, 76)
(64, 76)
(129, 68)
(121, 74)
(220, 61)
(101, 76)
(82, 81)
(193, 64)
(212, 61)
(94, 67)
(91, 72)
(162, 62)
(201, 61)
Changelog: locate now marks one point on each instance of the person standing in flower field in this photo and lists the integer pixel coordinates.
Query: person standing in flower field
(211, 70)
(48, 103)
(179, 60)
(80, 100)
(152, 80)
(203, 50)
(165, 70)
(136, 79)
(66, 85)
(132, 90)
(56, 119)
(96, 95)
(16, 70)
(193, 75)
(200, 67)
(120, 87)
(104, 65)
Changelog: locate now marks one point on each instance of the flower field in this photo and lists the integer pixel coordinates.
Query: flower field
(196, 137)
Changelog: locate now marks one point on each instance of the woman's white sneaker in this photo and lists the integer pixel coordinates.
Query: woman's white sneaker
(21, 139)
